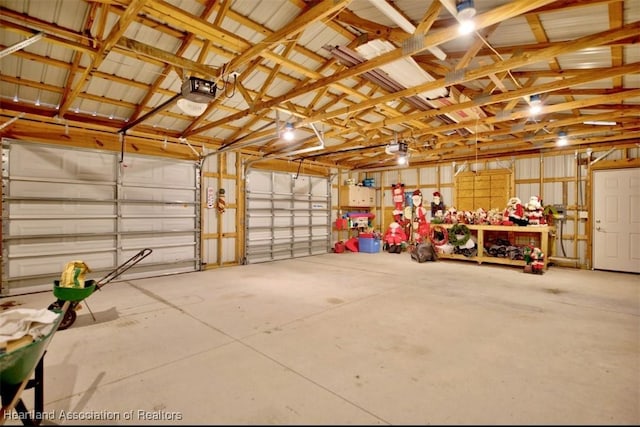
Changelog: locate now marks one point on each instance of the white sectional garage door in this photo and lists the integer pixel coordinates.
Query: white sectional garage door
(287, 216)
(62, 204)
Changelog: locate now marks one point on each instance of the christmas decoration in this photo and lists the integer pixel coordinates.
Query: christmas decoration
(534, 211)
(221, 204)
(514, 213)
(436, 204)
(394, 238)
(420, 224)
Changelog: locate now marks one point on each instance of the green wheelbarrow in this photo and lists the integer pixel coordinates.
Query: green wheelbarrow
(73, 296)
(16, 371)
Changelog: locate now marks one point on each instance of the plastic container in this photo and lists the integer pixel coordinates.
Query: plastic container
(369, 245)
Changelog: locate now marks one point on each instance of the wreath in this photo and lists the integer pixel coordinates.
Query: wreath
(456, 230)
(438, 230)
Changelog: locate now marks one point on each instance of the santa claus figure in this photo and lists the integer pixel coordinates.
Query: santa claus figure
(534, 212)
(397, 195)
(420, 223)
(514, 213)
(395, 237)
(436, 204)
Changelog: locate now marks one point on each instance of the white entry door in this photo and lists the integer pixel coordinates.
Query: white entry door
(616, 220)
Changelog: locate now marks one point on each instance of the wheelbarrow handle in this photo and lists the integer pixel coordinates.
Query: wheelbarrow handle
(123, 267)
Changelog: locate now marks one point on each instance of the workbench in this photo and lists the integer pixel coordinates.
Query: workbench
(537, 236)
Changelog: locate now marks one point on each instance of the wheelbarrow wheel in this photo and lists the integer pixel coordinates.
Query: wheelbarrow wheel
(69, 316)
(68, 319)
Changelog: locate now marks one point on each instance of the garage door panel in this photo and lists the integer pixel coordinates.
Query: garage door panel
(300, 220)
(44, 209)
(174, 239)
(38, 227)
(319, 220)
(159, 194)
(258, 181)
(318, 186)
(53, 265)
(281, 182)
(66, 245)
(282, 204)
(319, 231)
(150, 172)
(168, 255)
(59, 200)
(301, 235)
(38, 161)
(281, 213)
(61, 190)
(255, 204)
(281, 236)
(154, 210)
(158, 224)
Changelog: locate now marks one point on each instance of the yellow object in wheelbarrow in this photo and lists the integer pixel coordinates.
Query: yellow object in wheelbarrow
(73, 275)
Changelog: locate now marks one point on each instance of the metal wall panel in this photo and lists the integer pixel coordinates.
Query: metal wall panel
(61, 204)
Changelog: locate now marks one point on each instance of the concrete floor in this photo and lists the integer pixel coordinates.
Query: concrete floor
(351, 339)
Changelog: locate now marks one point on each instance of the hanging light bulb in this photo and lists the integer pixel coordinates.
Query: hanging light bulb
(535, 104)
(403, 159)
(466, 11)
(562, 139)
(288, 132)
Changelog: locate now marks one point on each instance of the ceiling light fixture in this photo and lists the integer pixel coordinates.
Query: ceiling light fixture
(562, 139)
(465, 12)
(288, 132)
(535, 104)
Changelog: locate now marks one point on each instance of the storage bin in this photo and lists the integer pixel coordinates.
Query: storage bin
(369, 245)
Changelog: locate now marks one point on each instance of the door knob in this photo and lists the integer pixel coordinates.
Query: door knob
(598, 229)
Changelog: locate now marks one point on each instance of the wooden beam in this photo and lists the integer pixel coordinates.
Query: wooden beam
(497, 15)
